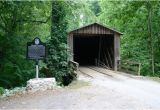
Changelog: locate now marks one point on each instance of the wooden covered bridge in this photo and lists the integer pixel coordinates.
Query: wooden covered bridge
(95, 44)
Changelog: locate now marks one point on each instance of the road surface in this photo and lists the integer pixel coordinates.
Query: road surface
(96, 90)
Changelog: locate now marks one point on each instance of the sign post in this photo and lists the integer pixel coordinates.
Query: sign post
(37, 69)
(36, 50)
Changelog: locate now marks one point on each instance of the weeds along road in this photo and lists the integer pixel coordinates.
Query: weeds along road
(96, 90)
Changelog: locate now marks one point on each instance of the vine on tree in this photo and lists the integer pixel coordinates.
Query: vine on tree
(57, 46)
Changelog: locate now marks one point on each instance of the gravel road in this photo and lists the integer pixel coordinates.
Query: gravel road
(113, 91)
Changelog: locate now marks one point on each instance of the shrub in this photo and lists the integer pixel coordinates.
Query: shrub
(57, 58)
(1, 90)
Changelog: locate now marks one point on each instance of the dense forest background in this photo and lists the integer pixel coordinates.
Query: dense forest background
(21, 22)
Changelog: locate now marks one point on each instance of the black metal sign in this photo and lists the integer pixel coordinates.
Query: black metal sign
(36, 49)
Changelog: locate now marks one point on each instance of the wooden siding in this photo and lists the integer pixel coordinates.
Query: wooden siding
(96, 29)
(116, 50)
(93, 29)
(70, 44)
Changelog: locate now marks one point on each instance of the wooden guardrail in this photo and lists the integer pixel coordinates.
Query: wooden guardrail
(75, 64)
(130, 66)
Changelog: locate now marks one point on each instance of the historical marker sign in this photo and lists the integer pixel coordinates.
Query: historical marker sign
(36, 49)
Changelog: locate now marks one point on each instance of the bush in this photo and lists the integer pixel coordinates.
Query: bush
(145, 70)
(1, 90)
(66, 80)
(57, 57)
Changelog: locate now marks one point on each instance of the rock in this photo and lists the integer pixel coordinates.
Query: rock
(7, 92)
(15, 91)
(40, 84)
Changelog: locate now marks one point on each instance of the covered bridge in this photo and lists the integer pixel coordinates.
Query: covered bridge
(95, 44)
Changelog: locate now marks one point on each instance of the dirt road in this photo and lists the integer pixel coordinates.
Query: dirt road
(111, 91)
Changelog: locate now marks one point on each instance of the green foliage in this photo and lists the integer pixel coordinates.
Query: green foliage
(20, 22)
(95, 7)
(79, 13)
(1, 90)
(57, 46)
(138, 43)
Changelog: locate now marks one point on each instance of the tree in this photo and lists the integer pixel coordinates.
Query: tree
(138, 20)
(95, 7)
(57, 46)
(79, 13)
(20, 22)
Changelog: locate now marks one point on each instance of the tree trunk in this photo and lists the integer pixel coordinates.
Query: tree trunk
(151, 45)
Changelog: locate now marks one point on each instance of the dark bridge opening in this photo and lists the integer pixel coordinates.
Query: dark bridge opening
(90, 49)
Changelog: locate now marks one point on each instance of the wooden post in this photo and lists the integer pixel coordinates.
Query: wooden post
(115, 53)
(116, 50)
(110, 59)
(139, 69)
(106, 60)
(99, 53)
(70, 44)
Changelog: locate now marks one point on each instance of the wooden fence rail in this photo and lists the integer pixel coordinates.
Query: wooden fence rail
(75, 64)
(131, 66)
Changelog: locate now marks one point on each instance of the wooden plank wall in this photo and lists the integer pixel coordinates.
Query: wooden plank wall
(116, 50)
(70, 44)
(96, 29)
(93, 29)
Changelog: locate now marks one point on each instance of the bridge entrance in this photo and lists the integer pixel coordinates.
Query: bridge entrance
(94, 49)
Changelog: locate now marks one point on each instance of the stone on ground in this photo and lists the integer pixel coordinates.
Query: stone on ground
(40, 84)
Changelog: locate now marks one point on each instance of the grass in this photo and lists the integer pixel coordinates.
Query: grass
(78, 84)
(153, 78)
